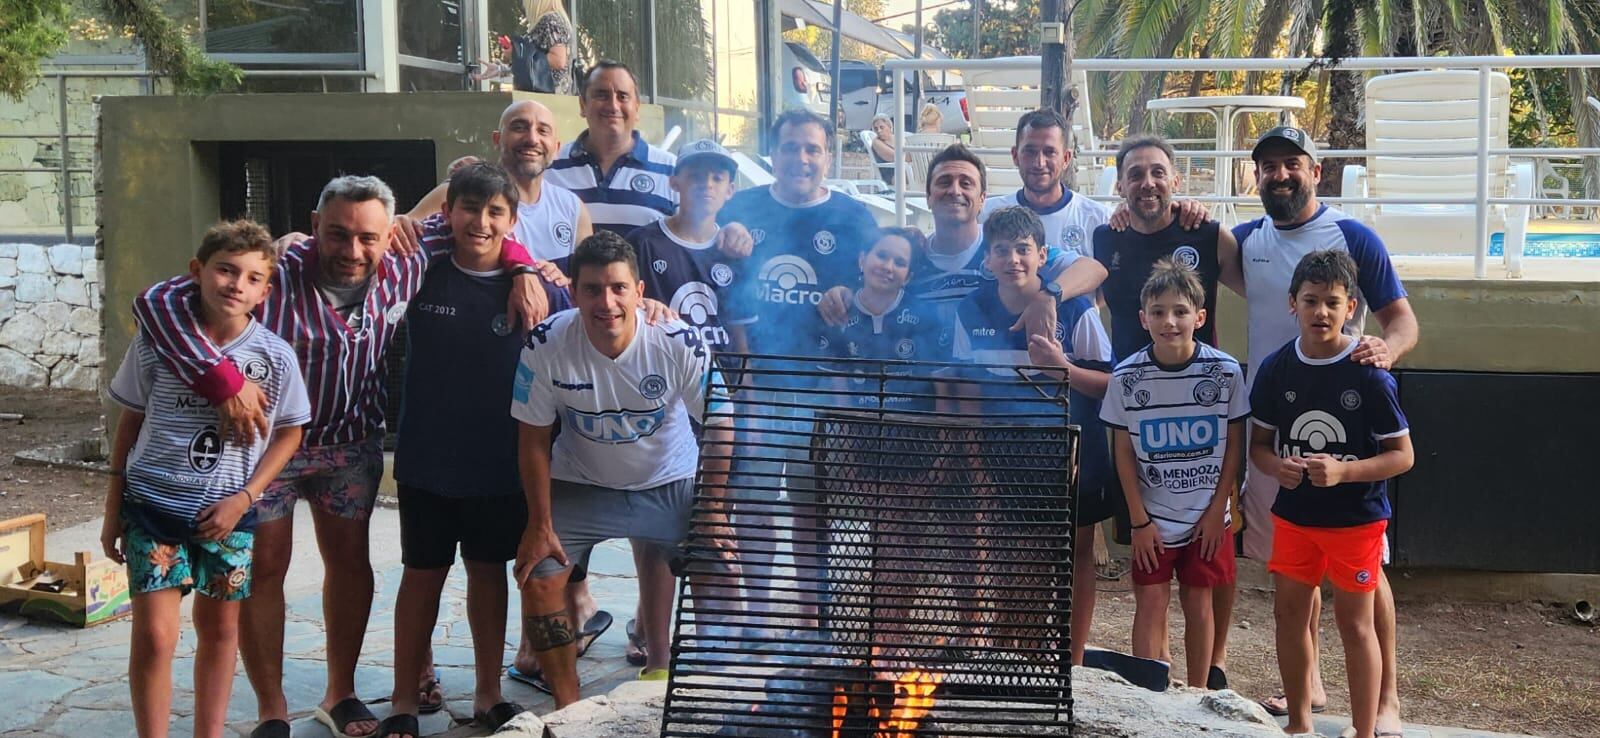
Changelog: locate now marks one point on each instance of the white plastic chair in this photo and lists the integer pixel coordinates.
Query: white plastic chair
(997, 98)
(1413, 113)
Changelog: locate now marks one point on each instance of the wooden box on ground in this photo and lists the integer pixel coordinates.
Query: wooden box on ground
(96, 590)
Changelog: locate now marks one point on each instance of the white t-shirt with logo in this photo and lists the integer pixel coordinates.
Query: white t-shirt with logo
(180, 463)
(1177, 419)
(624, 421)
(549, 228)
(1068, 224)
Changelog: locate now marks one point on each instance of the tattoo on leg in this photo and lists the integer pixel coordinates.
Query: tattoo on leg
(547, 632)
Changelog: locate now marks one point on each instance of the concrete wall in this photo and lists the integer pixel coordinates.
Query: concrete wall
(49, 316)
(158, 164)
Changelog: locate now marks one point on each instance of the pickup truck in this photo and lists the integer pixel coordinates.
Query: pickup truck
(864, 93)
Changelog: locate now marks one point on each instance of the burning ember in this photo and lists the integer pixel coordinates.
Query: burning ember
(912, 701)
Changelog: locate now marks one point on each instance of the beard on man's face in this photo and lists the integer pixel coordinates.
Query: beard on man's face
(1284, 200)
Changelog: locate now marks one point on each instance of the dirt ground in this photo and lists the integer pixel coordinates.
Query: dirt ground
(66, 496)
(1522, 668)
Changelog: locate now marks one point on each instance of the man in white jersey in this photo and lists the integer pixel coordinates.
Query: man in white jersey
(551, 220)
(625, 462)
(1296, 224)
(1043, 155)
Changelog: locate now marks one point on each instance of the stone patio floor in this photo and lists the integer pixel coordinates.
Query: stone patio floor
(70, 683)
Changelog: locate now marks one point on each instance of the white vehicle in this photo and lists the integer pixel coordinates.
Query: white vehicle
(805, 83)
(864, 94)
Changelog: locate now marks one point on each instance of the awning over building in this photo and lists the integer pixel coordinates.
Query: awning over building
(820, 13)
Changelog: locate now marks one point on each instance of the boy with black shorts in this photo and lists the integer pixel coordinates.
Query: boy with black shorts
(1177, 408)
(1333, 434)
(458, 487)
(178, 511)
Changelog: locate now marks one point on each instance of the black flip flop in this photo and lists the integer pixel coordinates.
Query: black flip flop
(498, 715)
(636, 659)
(348, 710)
(1275, 712)
(593, 628)
(399, 725)
(1216, 679)
(272, 729)
(533, 679)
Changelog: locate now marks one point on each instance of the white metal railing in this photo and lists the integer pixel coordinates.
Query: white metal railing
(1482, 64)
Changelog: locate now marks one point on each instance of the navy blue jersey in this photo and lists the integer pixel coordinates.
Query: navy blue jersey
(944, 281)
(1328, 406)
(983, 335)
(461, 354)
(1130, 256)
(800, 253)
(694, 279)
(909, 330)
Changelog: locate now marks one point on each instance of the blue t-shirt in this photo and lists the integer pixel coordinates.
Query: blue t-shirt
(1330, 406)
(461, 353)
(983, 335)
(910, 330)
(694, 279)
(800, 253)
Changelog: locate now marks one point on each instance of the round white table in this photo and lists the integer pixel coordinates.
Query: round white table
(1223, 109)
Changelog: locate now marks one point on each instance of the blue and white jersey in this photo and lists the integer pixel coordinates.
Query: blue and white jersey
(801, 251)
(910, 330)
(694, 279)
(461, 353)
(624, 421)
(1069, 223)
(635, 192)
(180, 463)
(1177, 418)
(983, 335)
(1269, 255)
(548, 229)
(945, 279)
(1328, 406)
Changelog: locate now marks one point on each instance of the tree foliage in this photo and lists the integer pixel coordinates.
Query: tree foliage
(30, 31)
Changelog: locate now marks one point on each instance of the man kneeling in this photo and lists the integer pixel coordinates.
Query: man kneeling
(625, 462)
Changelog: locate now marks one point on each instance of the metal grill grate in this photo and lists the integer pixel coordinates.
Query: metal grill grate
(906, 554)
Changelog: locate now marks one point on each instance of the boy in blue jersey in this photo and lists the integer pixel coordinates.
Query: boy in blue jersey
(1013, 239)
(1177, 418)
(178, 510)
(886, 322)
(455, 488)
(1333, 435)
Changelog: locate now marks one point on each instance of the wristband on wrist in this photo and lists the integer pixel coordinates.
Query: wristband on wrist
(522, 269)
(1146, 524)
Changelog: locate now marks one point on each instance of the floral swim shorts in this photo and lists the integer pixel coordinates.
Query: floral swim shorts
(218, 569)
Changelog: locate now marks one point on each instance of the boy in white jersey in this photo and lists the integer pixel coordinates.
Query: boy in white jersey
(178, 510)
(1177, 409)
(625, 463)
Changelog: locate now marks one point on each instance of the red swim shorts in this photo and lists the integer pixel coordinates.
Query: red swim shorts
(1351, 558)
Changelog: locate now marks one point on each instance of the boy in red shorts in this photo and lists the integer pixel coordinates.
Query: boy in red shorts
(1177, 410)
(1335, 435)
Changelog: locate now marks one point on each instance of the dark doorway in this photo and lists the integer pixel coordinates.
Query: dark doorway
(276, 183)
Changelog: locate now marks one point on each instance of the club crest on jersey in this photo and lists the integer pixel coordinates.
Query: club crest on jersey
(822, 342)
(205, 450)
(500, 325)
(1187, 255)
(256, 370)
(653, 386)
(855, 320)
(1152, 475)
(722, 274)
(642, 183)
(615, 426)
(823, 242)
(905, 348)
(563, 232)
(1289, 396)
(660, 265)
(1206, 392)
(1129, 381)
(758, 235)
(1350, 399)
(1072, 237)
(1142, 397)
(395, 313)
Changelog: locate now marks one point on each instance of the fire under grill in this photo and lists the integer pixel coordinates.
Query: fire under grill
(905, 544)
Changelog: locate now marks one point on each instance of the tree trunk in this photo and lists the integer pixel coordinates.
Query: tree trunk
(1346, 129)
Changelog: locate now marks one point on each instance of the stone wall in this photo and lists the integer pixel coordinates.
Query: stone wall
(30, 202)
(49, 316)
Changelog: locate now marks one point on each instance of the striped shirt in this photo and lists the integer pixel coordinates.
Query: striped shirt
(634, 193)
(1177, 418)
(344, 367)
(180, 464)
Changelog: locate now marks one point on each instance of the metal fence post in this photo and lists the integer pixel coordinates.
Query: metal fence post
(1480, 253)
(896, 80)
(66, 156)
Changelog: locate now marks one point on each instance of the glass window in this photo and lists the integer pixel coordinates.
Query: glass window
(737, 59)
(684, 61)
(282, 26)
(418, 79)
(431, 29)
(616, 30)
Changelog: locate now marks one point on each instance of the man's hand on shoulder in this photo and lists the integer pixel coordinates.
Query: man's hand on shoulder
(1191, 213)
(406, 236)
(1039, 317)
(528, 302)
(243, 417)
(1372, 351)
(656, 311)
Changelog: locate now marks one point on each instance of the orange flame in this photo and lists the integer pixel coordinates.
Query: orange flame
(913, 700)
(841, 704)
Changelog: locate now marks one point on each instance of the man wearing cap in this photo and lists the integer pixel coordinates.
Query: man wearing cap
(1296, 224)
